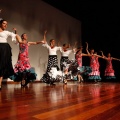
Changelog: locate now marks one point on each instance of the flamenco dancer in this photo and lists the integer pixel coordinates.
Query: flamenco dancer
(23, 72)
(94, 64)
(82, 70)
(52, 60)
(65, 52)
(6, 68)
(109, 71)
(64, 55)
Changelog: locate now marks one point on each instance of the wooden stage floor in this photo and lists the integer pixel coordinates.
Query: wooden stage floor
(74, 101)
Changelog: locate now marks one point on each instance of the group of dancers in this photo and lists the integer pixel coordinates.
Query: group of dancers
(73, 69)
(69, 69)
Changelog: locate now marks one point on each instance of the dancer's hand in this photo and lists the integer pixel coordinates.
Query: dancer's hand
(43, 42)
(45, 31)
(14, 29)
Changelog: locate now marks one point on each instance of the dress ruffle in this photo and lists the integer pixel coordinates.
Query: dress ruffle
(110, 77)
(94, 77)
(85, 70)
(30, 75)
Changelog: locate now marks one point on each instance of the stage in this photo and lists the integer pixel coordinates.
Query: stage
(71, 101)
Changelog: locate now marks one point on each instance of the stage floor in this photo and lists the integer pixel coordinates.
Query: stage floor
(74, 101)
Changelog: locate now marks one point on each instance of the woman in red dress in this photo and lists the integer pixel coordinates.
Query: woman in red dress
(22, 69)
(109, 71)
(82, 70)
(94, 64)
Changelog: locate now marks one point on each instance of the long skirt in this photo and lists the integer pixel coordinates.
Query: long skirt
(52, 62)
(62, 60)
(6, 68)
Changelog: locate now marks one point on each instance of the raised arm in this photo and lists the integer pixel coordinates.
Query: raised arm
(18, 38)
(15, 30)
(74, 46)
(59, 42)
(44, 37)
(102, 53)
(103, 56)
(87, 49)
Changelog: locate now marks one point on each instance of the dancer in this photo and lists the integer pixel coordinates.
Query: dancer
(82, 70)
(64, 55)
(52, 60)
(22, 69)
(109, 71)
(94, 64)
(6, 68)
(65, 52)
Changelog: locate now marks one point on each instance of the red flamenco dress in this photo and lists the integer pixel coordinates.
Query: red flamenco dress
(109, 72)
(23, 69)
(94, 64)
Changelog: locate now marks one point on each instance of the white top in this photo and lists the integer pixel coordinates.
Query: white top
(65, 53)
(52, 51)
(5, 34)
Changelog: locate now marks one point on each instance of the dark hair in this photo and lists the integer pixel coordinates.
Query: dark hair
(64, 45)
(2, 20)
(22, 35)
(51, 41)
(78, 51)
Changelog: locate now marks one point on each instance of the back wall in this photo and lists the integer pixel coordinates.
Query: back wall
(33, 18)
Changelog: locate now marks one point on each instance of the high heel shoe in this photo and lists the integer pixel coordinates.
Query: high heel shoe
(26, 82)
(23, 83)
(52, 83)
(65, 81)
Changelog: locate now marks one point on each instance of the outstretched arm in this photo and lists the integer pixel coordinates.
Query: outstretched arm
(39, 42)
(115, 59)
(83, 54)
(35, 43)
